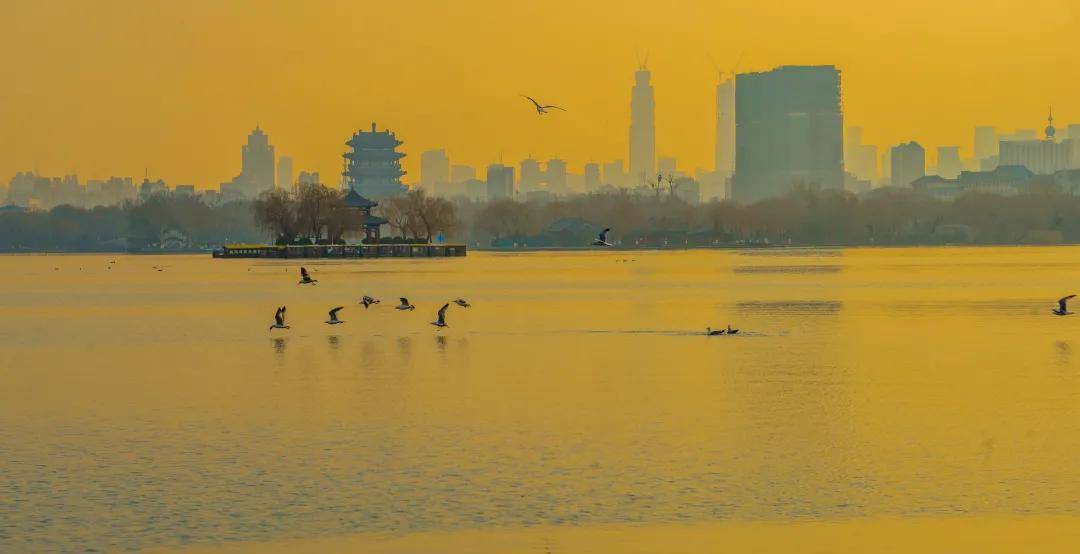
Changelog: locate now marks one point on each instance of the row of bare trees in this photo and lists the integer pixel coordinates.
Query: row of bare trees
(803, 216)
(318, 213)
(419, 215)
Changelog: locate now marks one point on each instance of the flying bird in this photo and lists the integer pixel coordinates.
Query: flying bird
(333, 316)
(601, 239)
(305, 278)
(404, 305)
(441, 321)
(279, 319)
(368, 301)
(462, 302)
(1062, 308)
(709, 332)
(542, 109)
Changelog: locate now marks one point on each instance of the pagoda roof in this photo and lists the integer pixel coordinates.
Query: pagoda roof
(375, 221)
(354, 200)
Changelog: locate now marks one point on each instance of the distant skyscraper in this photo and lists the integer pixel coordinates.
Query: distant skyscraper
(614, 174)
(531, 176)
(789, 130)
(665, 165)
(986, 142)
(500, 182)
(948, 164)
(642, 129)
(1072, 132)
(257, 164)
(1041, 157)
(556, 176)
(725, 127)
(373, 166)
(908, 162)
(592, 176)
(860, 159)
(308, 178)
(284, 173)
(462, 173)
(434, 168)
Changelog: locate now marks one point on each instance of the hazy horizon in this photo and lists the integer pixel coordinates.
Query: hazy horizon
(112, 89)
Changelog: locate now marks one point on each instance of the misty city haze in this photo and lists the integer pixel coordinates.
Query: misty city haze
(122, 88)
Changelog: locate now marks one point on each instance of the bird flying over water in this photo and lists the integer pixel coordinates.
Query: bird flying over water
(542, 109)
(1062, 308)
(306, 279)
(441, 321)
(601, 239)
(279, 319)
(333, 316)
(462, 302)
(368, 301)
(404, 305)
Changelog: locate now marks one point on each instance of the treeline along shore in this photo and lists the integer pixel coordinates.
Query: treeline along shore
(803, 217)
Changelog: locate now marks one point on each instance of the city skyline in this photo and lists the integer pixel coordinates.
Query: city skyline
(120, 111)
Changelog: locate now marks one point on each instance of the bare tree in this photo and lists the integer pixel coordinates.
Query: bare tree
(314, 202)
(275, 211)
(432, 215)
(396, 212)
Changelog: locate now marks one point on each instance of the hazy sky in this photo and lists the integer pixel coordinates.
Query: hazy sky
(113, 87)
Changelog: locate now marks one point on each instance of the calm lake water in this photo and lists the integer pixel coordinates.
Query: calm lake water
(144, 408)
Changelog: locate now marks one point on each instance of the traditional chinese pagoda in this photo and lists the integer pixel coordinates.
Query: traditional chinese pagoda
(372, 166)
(370, 223)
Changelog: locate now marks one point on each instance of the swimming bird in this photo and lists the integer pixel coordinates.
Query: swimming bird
(441, 321)
(731, 331)
(306, 279)
(540, 108)
(368, 301)
(462, 302)
(404, 305)
(333, 316)
(601, 239)
(709, 332)
(279, 319)
(1062, 309)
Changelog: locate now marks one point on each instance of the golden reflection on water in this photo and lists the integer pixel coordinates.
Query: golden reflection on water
(145, 408)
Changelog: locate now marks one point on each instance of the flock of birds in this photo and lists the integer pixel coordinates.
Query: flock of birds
(366, 302)
(440, 316)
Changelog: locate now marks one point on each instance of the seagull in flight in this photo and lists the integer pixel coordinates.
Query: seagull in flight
(367, 301)
(1062, 309)
(462, 302)
(542, 109)
(601, 239)
(441, 321)
(305, 278)
(279, 319)
(404, 305)
(333, 316)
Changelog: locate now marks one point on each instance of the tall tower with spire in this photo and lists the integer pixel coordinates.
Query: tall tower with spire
(642, 128)
(725, 126)
(1050, 130)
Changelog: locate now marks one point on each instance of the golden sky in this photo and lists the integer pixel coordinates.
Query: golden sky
(110, 87)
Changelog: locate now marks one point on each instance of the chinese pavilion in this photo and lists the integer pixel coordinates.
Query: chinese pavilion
(370, 223)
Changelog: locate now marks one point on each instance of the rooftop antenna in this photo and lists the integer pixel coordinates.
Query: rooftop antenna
(738, 61)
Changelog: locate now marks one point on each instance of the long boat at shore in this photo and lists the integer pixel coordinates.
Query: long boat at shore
(341, 251)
